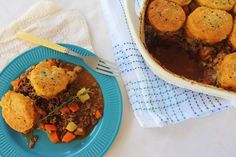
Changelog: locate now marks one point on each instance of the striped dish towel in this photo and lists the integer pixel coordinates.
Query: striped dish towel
(155, 103)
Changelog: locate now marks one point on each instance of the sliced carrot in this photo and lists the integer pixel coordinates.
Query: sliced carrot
(68, 137)
(15, 83)
(50, 127)
(53, 137)
(98, 114)
(64, 110)
(41, 125)
(73, 107)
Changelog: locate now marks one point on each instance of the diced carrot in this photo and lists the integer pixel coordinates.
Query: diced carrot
(68, 137)
(64, 110)
(88, 80)
(15, 83)
(53, 137)
(73, 107)
(41, 125)
(50, 127)
(98, 114)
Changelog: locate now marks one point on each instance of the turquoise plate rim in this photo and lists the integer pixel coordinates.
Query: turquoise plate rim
(12, 148)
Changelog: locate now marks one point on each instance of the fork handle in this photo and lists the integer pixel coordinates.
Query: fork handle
(36, 40)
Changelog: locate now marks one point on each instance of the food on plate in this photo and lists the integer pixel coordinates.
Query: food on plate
(181, 2)
(200, 48)
(217, 4)
(19, 111)
(48, 80)
(60, 98)
(226, 71)
(210, 25)
(232, 37)
(166, 16)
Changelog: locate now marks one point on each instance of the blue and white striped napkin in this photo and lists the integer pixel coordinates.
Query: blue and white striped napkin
(155, 103)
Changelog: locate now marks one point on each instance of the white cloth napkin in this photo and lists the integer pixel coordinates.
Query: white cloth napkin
(155, 103)
(47, 20)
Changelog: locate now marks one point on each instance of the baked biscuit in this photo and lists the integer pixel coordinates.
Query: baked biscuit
(181, 2)
(232, 37)
(234, 9)
(48, 80)
(226, 71)
(19, 111)
(209, 25)
(166, 16)
(72, 75)
(217, 4)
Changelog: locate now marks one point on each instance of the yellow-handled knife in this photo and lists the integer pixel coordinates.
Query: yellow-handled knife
(38, 41)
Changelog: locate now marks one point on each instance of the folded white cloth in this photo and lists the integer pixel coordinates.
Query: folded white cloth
(155, 102)
(47, 20)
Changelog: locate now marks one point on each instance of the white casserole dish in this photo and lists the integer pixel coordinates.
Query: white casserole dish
(136, 26)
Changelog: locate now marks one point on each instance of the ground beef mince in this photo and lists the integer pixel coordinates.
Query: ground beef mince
(88, 113)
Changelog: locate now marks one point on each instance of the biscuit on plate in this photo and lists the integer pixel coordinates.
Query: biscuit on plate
(166, 16)
(209, 25)
(48, 80)
(217, 4)
(181, 2)
(226, 71)
(19, 111)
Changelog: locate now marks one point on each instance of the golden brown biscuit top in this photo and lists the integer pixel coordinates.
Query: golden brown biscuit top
(48, 80)
(18, 111)
(210, 25)
(181, 2)
(232, 37)
(166, 16)
(217, 4)
(226, 71)
(234, 9)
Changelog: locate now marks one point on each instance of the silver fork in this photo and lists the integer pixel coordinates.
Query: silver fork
(96, 63)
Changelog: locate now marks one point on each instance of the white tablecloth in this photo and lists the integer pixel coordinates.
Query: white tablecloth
(213, 136)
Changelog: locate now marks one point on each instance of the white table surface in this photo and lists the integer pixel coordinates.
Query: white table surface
(213, 136)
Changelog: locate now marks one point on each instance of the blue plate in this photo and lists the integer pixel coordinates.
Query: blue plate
(96, 144)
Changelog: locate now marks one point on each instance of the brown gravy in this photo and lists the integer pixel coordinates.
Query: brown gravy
(178, 61)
